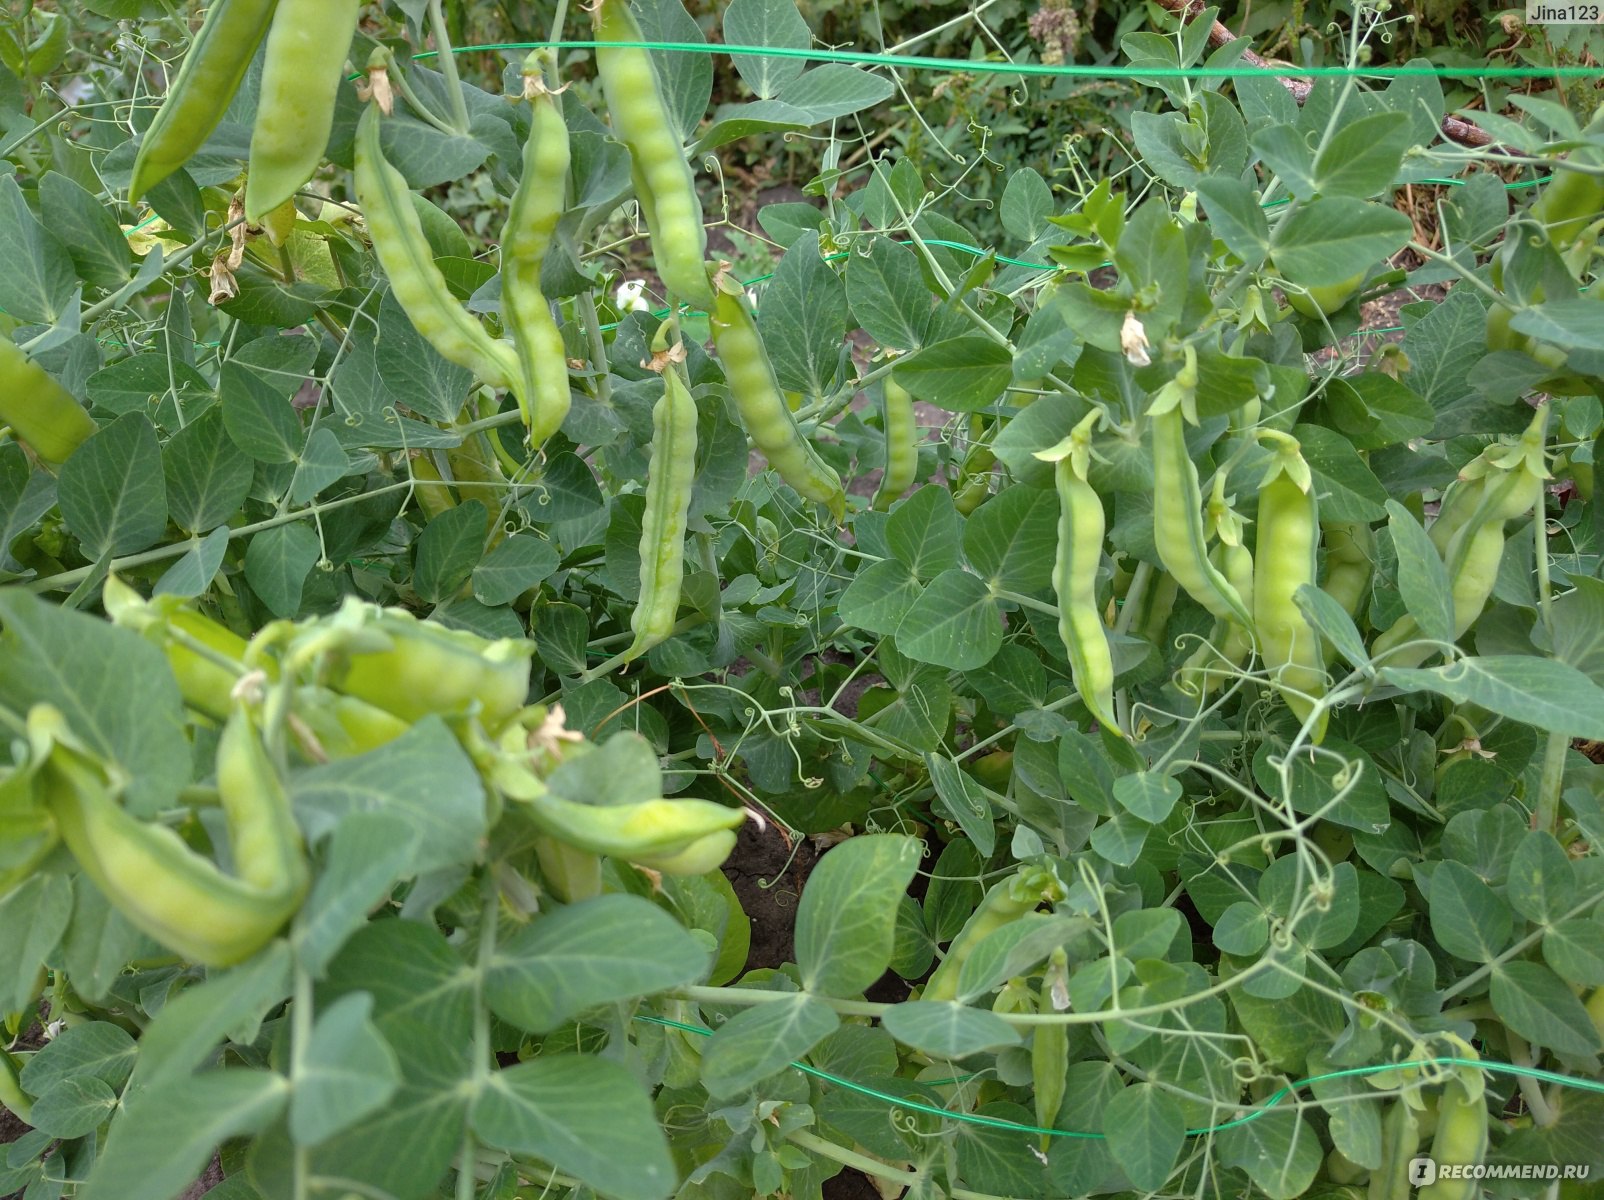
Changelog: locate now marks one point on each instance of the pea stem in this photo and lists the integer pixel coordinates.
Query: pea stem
(448, 68)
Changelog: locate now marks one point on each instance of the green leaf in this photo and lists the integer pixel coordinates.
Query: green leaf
(192, 574)
(412, 371)
(766, 23)
(1280, 1152)
(1574, 324)
(98, 1050)
(162, 1140)
(961, 374)
(424, 778)
(38, 282)
(73, 1108)
(1285, 152)
(611, 948)
(414, 977)
(1332, 622)
(1577, 620)
(1376, 411)
(1542, 881)
(1026, 204)
(1146, 1130)
(888, 296)
(948, 1029)
(923, 533)
(448, 550)
(1243, 929)
(322, 463)
(1422, 578)
(521, 562)
(1539, 1006)
(367, 853)
(1332, 239)
(1361, 157)
(953, 624)
(1469, 919)
(258, 415)
(1148, 795)
(835, 90)
(1349, 490)
(1013, 950)
(349, 1071)
(586, 1116)
(1535, 691)
(277, 562)
(846, 920)
(804, 318)
(962, 800)
(1236, 217)
(87, 231)
(1011, 539)
(879, 597)
(111, 493)
(763, 1040)
(1146, 932)
(1575, 949)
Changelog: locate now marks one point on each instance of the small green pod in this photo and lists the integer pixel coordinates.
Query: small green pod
(1081, 526)
(1178, 532)
(217, 60)
(670, 480)
(761, 404)
(307, 46)
(537, 206)
(902, 444)
(1006, 901)
(1284, 560)
(39, 410)
(419, 286)
(665, 183)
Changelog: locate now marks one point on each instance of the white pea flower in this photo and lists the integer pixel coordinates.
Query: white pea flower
(632, 297)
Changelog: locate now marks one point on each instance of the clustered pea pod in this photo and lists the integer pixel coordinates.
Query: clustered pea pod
(972, 484)
(1004, 902)
(902, 444)
(1461, 1136)
(1178, 532)
(217, 60)
(413, 669)
(39, 410)
(1284, 560)
(418, 284)
(665, 185)
(761, 403)
(154, 879)
(307, 47)
(1400, 1139)
(1504, 483)
(1081, 525)
(531, 222)
(670, 479)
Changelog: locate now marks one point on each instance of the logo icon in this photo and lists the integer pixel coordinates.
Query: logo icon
(1422, 1172)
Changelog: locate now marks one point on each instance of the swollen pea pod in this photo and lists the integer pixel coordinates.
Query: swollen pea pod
(1178, 532)
(1284, 559)
(1049, 1048)
(307, 47)
(413, 669)
(1022, 892)
(1230, 642)
(537, 206)
(571, 874)
(1503, 484)
(429, 486)
(972, 485)
(155, 880)
(670, 479)
(761, 403)
(1348, 563)
(665, 184)
(12, 1098)
(419, 286)
(218, 58)
(1572, 200)
(198, 648)
(344, 726)
(902, 444)
(39, 410)
(1081, 526)
(1400, 1139)
(1155, 606)
(1461, 1132)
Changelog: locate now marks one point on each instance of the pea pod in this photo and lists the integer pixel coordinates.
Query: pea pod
(1284, 560)
(761, 403)
(217, 60)
(343, 725)
(706, 853)
(12, 1098)
(665, 184)
(44, 52)
(1461, 1134)
(307, 45)
(1178, 532)
(39, 410)
(1348, 566)
(1049, 1051)
(418, 284)
(1081, 526)
(571, 874)
(1229, 642)
(1022, 892)
(433, 495)
(162, 886)
(1400, 1138)
(902, 444)
(414, 668)
(670, 479)
(645, 831)
(531, 222)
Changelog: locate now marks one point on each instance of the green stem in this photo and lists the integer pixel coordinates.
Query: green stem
(481, 1024)
(448, 68)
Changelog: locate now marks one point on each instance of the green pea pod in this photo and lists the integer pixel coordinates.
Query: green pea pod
(1229, 642)
(1022, 892)
(1155, 606)
(1178, 531)
(648, 830)
(1569, 203)
(424, 668)
(39, 410)
(537, 206)
(670, 479)
(162, 886)
(1348, 565)
(217, 60)
(433, 496)
(665, 183)
(1284, 560)
(1461, 1139)
(973, 485)
(1049, 1051)
(902, 444)
(345, 726)
(44, 53)
(27, 830)
(571, 874)
(12, 1098)
(762, 405)
(701, 856)
(1400, 1138)
(416, 281)
(307, 46)
(1081, 526)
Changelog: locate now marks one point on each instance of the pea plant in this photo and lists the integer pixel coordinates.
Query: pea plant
(1192, 678)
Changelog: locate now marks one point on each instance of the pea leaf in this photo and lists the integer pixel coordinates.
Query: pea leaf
(846, 921)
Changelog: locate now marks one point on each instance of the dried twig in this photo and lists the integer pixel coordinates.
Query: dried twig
(1453, 128)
